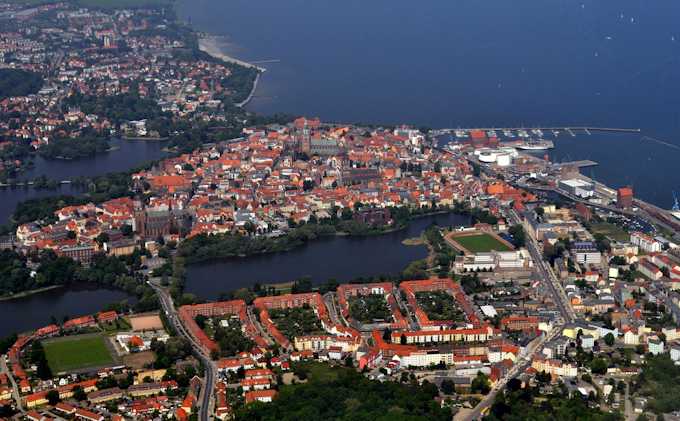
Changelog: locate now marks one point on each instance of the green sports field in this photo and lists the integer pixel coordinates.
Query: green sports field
(480, 243)
(73, 353)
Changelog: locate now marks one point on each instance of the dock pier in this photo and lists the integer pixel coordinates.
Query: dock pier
(578, 164)
(569, 129)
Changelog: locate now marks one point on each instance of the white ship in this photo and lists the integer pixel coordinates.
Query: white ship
(535, 145)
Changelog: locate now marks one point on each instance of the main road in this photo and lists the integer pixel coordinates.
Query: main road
(519, 367)
(567, 315)
(546, 273)
(15, 389)
(210, 369)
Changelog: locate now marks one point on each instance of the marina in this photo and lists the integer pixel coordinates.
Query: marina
(525, 132)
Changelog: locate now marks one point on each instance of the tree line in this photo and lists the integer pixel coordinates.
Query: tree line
(17, 82)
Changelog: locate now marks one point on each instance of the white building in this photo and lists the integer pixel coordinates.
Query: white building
(671, 333)
(675, 352)
(425, 359)
(586, 253)
(577, 187)
(649, 269)
(645, 242)
(631, 337)
(587, 341)
(655, 345)
(494, 260)
(555, 367)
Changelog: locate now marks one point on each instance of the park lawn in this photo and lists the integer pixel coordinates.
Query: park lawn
(318, 372)
(77, 352)
(481, 243)
(611, 231)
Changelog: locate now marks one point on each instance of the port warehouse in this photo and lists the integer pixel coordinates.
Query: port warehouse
(577, 187)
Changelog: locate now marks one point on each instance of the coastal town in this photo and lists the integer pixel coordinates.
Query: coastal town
(556, 294)
(132, 74)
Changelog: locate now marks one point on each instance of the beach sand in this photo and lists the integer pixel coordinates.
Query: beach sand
(211, 45)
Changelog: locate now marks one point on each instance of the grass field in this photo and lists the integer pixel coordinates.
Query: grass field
(480, 243)
(612, 231)
(77, 352)
(319, 372)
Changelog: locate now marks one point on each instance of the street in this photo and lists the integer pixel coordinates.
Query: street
(559, 297)
(210, 369)
(15, 387)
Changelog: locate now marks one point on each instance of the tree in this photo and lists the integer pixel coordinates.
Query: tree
(79, 394)
(448, 387)
(7, 342)
(201, 320)
(518, 235)
(53, 397)
(514, 384)
(480, 384)
(102, 238)
(609, 339)
(618, 261)
(346, 214)
(361, 399)
(17, 82)
(307, 185)
(543, 377)
(598, 366)
(126, 230)
(300, 374)
(38, 358)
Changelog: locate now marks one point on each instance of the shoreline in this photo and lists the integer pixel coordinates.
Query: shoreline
(209, 45)
(411, 219)
(252, 92)
(29, 293)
